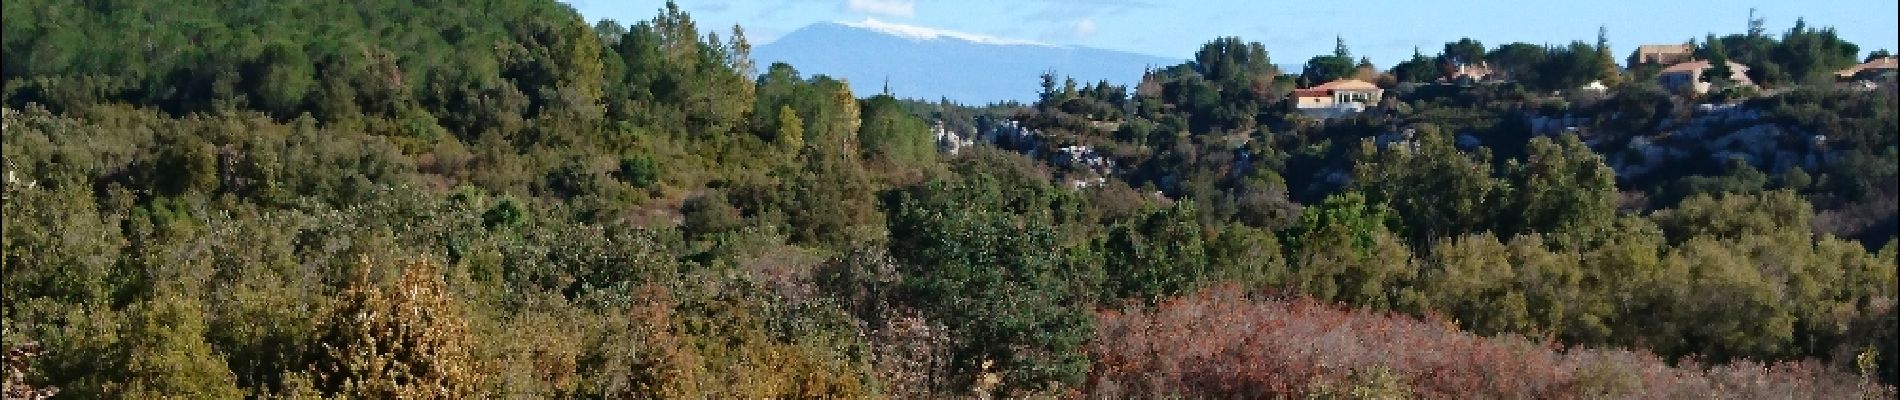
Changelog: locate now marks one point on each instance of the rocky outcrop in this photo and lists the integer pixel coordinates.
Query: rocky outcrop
(1714, 136)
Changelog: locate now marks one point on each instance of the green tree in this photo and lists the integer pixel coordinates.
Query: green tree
(54, 242)
(1568, 67)
(1811, 55)
(1718, 73)
(1327, 68)
(1491, 287)
(1609, 73)
(1563, 190)
(1722, 306)
(1876, 55)
(1345, 253)
(165, 354)
(1735, 215)
(841, 124)
(1158, 255)
(1240, 68)
(281, 77)
(1246, 255)
(1417, 69)
(831, 194)
(187, 164)
(791, 130)
(985, 260)
(1522, 62)
(1472, 279)
(890, 136)
(640, 171)
(709, 214)
(1434, 189)
(1465, 51)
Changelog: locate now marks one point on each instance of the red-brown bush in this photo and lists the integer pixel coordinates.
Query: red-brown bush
(1221, 344)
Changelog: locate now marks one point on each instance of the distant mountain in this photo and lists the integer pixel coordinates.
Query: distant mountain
(927, 63)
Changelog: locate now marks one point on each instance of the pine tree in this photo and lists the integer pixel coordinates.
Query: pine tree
(1610, 74)
(791, 129)
(845, 121)
(739, 53)
(1718, 73)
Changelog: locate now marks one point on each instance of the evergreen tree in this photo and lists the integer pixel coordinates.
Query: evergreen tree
(1719, 73)
(1610, 74)
(791, 129)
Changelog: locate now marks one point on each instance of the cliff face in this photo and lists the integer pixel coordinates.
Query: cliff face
(1711, 138)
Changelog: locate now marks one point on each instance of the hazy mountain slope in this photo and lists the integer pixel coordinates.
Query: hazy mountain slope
(928, 64)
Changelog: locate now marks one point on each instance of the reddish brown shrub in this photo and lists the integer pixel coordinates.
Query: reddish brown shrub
(1221, 344)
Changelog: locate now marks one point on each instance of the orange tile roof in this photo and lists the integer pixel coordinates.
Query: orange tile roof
(1879, 63)
(1699, 65)
(1348, 84)
(1687, 67)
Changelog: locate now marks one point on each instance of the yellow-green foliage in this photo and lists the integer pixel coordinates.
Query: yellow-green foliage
(1367, 384)
(407, 339)
(166, 355)
(722, 347)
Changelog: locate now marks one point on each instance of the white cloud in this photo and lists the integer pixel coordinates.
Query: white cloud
(1082, 28)
(895, 8)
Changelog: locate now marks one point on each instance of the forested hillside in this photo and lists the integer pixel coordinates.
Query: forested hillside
(498, 198)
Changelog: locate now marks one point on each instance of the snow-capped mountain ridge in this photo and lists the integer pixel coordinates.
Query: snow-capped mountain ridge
(926, 33)
(932, 63)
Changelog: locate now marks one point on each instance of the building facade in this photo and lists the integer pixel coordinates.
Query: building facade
(1688, 76)
(1337, 98)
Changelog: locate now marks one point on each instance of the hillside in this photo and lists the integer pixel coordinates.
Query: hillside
(498, 198)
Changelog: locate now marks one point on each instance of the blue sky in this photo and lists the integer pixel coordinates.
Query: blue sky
(1292, 31)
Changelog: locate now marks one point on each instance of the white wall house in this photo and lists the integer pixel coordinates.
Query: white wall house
(1689, 75)
(1337, 98)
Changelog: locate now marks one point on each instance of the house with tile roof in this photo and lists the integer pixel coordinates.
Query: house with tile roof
(1688, 75)
(1336, 98)
(1875, 69)
(1662, 54)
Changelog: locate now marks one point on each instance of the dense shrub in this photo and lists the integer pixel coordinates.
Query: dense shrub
(1219, 343)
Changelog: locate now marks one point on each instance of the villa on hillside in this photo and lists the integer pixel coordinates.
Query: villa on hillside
(1872, 70)
(1688, 75)
(1337, 98)
(1662, 54)
(1469, 73)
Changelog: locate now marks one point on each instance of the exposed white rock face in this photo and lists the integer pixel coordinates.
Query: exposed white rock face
(949, 142)
(1079, 184)
(1715, 135)
(1082, 157)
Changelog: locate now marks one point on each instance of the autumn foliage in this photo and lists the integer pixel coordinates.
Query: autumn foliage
(408, 339)
(1219, 343)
